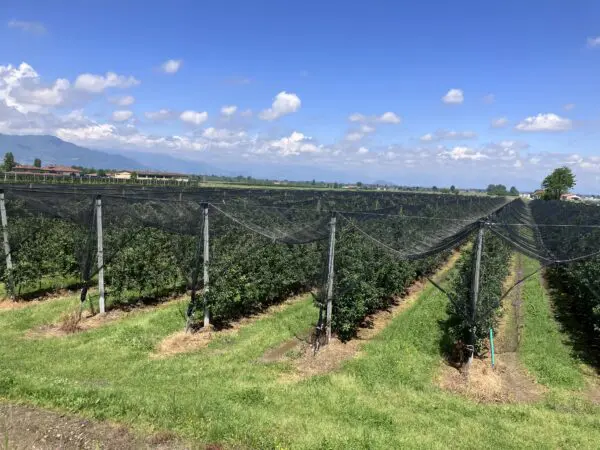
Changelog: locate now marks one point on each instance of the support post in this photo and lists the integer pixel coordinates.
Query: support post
(206, 253)
(475, 291)
(330, 269)
(9, 265)
(100, 252)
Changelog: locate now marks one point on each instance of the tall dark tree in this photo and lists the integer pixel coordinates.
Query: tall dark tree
(513, 191)
(558, 183)
(9, 162)
(37, 162)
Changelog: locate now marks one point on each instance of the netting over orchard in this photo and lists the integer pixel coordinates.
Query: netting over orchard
(267, 242)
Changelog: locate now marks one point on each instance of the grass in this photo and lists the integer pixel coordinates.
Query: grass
(543, 349)
(386, 398)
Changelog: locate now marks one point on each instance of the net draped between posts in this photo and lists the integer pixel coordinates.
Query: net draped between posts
(254, 226)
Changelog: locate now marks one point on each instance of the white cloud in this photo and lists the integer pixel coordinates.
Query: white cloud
(593, 42)
(98, 83)
(545, 122)
(352, 137)
(356, 117)
(296, 144)
(222, 134)
(362, 151)
(366, 129)
(442, 135)
(161, 114)
(500, 122)
(28, 27)
(283, 104)
(386, 117)
(489, 99)
(93, 132)
(194, 117)
(569, 106)
(121, 116)
(228, 111)
(389, 117)
(21, 88)
(54, 95)
(125, 100)
(453, 96)
(458, 153)
(171, 66)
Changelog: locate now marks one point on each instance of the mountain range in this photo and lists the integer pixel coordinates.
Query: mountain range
(52, 150)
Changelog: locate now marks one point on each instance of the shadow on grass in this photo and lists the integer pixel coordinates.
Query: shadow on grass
(227, 318)
(37, 293)
(575, 322)
(129, 300)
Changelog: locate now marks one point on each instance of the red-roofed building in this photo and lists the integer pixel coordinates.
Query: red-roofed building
(25, 169)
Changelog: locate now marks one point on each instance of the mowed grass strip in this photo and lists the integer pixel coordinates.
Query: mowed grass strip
(385, 398)
(543, 349)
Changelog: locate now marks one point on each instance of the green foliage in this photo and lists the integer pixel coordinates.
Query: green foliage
(513, 191)
(9, 162)
(494, 270)
(558, 183)
(37, 162)
(247, 273)
(148, 264)
(52, 251)
(497, 189)
(367, 279)
(580, 281)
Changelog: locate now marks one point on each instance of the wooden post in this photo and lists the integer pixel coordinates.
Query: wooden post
(475, 290)
(100, 252)
(330, 276)
(9, 265)
(205, 267)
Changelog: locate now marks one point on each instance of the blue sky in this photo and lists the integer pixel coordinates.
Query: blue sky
(430, 92)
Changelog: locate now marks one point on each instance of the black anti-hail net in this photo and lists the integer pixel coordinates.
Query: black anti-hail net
(265, 243)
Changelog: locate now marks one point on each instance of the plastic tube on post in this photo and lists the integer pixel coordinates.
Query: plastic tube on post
(330, 276)
(9, 265)
(206, 262)
(100, 252)
(492, 347)
(475, 292)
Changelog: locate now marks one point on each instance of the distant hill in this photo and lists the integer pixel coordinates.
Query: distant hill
(167, 163)
(52, 150)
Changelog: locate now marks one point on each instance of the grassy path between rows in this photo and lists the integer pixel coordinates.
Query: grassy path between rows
(385, 398)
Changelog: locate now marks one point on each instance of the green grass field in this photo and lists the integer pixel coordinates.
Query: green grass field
(385, 398)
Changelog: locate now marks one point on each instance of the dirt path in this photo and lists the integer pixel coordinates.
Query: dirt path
(508, 332)
(184, 342)
(508, 382)
(24, 427)
(306, 364)
(71, 322)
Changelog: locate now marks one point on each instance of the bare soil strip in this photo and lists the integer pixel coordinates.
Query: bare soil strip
(68, 324)
(508, 382)
(300, 354)
(24, 427)
(7, 304)
(182, 342)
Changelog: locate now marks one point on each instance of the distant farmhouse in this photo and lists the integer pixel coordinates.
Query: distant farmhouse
(149, 175)
(51, 170)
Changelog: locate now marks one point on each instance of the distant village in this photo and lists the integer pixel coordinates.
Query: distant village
(61, 171)
(46, 172)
